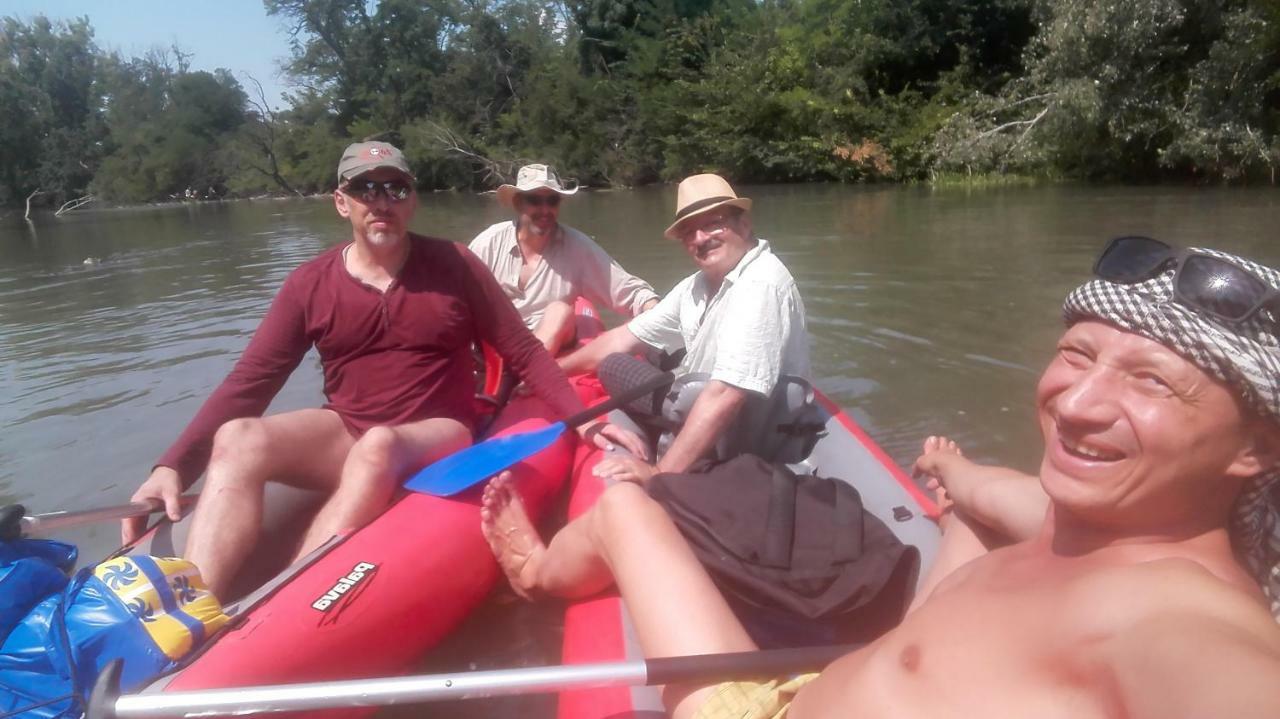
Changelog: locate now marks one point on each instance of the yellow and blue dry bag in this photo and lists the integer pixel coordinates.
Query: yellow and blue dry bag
(150, 612)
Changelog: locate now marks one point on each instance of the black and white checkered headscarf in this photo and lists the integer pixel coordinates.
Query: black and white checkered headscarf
(1246, 357)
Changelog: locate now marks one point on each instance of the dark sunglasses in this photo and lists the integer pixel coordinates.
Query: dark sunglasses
(367, 191)
(1203, 282)
(540, 200)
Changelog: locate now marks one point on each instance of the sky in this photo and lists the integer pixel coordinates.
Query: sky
(233, 34)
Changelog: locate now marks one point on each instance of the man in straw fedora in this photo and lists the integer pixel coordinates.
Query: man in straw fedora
(543, 265)
(393, 315)
(739, 319)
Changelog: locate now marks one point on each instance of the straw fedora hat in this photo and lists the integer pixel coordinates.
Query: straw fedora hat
(703, 193)
(533, 177)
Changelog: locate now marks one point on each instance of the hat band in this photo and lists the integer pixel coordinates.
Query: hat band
(693, 207)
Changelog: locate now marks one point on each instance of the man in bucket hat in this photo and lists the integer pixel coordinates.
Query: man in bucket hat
(393, 315)
(739, 319)
(543, 265)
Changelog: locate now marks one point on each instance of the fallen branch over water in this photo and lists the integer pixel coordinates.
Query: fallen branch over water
(73, 205)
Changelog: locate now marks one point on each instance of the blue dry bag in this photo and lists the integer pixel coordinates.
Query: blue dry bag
(150, 612)
(30, 570)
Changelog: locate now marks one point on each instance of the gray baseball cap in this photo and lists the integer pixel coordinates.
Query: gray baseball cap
(362, 157)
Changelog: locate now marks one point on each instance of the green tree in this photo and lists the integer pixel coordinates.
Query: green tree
(1129, 89)
(169, 130)
(51, 102)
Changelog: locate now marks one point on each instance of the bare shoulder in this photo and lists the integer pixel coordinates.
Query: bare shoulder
(1185, 642)
(1216, 588)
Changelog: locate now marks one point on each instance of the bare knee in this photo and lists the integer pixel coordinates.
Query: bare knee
(558, 311)
(240, 443)
(622, 513)
(556, 327)
(375, 452)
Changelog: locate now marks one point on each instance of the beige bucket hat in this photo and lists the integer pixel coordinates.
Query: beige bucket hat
(530, 178)
(703, 193)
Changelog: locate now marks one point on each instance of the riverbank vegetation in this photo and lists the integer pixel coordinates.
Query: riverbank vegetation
(627, 92)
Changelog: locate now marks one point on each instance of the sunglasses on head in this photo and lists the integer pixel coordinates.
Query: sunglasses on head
(540, 200)
(1206, 283)
(367, 191)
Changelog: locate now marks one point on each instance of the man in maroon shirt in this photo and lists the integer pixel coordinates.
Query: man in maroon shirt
(393, 316)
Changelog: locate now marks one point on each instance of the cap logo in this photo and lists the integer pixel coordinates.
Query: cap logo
(375, 151)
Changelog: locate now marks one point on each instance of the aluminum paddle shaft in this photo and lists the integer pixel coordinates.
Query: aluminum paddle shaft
(106, 704)
(13, 524)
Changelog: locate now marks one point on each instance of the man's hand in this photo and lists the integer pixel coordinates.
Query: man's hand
(623, 468)
(606, 436)
(164, 485)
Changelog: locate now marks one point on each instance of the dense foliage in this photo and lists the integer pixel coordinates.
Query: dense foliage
(626, 92)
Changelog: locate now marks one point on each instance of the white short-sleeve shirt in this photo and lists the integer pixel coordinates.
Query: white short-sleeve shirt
(750, 332)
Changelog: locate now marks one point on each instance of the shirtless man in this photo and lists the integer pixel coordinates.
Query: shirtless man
(544, 265)
(393, 316)
(1128, 602)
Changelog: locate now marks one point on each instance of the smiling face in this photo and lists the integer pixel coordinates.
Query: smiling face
(716, 240)
(381, 222)
(1138, 437)
(539, 211)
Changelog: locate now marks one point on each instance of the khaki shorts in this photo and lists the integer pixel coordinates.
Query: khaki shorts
(752, 700)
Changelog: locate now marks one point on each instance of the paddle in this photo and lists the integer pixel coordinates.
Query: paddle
(13, 524)
(106, 702)
(478, 462)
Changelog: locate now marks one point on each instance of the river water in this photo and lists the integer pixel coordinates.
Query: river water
(931, 311)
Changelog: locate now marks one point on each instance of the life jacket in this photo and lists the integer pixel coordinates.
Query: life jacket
(150, 612)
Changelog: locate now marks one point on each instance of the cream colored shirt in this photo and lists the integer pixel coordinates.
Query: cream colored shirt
(748, 334)
(572, 266)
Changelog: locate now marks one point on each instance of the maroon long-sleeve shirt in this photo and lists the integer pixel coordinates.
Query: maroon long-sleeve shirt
(389, 357)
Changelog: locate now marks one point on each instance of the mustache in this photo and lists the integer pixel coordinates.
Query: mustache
(701, 250)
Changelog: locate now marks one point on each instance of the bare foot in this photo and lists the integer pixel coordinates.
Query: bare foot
(512, 537)
(941, 444)
(929, 464)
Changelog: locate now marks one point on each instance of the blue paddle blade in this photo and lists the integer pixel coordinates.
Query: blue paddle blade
(477, 463)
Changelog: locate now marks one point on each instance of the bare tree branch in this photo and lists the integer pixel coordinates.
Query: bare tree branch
(29, 197)
(73, 205)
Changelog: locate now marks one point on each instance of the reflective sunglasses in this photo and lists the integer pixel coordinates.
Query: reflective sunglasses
(367, 191)
(1203, 282)
(540, 200)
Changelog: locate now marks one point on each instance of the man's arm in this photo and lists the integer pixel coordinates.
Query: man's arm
(604, 281)
(712, 413)
(277, 347)
(717, 405)
(587, 358)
